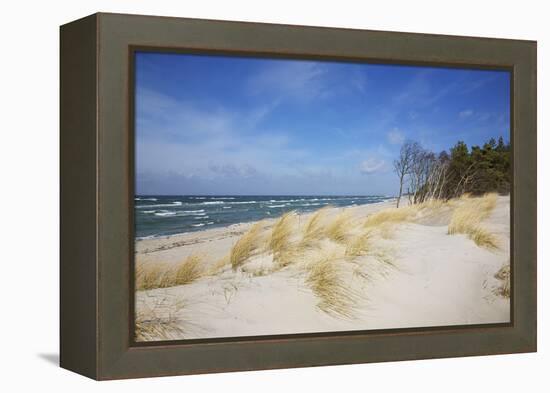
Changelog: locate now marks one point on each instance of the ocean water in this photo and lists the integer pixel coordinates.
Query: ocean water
(166, 215)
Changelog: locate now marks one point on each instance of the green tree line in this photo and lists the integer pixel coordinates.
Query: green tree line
(477, 170)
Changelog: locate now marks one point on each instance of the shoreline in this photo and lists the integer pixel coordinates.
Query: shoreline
(211, 225)
(413, 273)
(166, 242)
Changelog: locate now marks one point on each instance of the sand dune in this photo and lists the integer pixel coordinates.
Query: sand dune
(354, 268)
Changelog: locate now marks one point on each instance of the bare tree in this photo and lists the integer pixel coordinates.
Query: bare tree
(467, 177)
(425, 173)
(402, 165)
(420, 168)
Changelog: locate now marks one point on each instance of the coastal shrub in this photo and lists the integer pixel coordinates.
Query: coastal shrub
(245, 246)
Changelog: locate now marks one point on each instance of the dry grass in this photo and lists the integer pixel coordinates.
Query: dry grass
(433, 204)
(163, 275)
(245, 246)
(286, 257)
(338, 229)
(325, 280)
(358, 245)
(467, 218)
(503, 275)
(483, 238)
(160, 322)
(313, 230)
(279, 243)
(391, 216)
(281, 233)
(152, 275)
(188, 271)
(218, 266)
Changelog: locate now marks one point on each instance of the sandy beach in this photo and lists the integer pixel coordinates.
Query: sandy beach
(352, 268)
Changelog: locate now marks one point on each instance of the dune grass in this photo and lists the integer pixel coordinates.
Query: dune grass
(188, 271)
(151, 275)
(163, 275)
(467, 218)
(433, 204)
(504, 276)
(245, 246)
(313, 230)
(218, 266)
(324, 278)
(385, 220)
(149, 327)
(391, 216)
(358, 245)
(281, 232)
(160, 322)
(279, 243)
(338, 229)
(483, 238)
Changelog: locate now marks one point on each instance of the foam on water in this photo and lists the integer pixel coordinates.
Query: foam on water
(179, 213)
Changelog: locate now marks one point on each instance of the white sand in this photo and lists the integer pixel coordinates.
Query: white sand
(434, 279)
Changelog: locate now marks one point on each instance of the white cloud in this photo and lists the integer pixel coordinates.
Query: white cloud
(396, 137)
(372, 165)
(465, 113)
(302, 80)
(175, 136)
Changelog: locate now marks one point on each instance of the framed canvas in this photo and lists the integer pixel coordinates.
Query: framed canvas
(243, 196)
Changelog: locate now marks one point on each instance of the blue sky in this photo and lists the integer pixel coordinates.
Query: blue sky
(257, 126)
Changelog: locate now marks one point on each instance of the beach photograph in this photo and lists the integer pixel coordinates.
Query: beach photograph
(296, 196)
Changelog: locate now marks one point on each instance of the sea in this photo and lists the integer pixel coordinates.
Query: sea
(158, 216)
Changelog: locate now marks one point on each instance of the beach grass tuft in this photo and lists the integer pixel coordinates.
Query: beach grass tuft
(160, 322)
(391, 216)
(281, 232)
(483, 238)
(338, 229)
(279, 243)
(313, 230)
(151, 275)
(358, 245)
(163, 275)
(245, 246)
(504, 276)
(467, 218)
(188, 271)
(326, 282)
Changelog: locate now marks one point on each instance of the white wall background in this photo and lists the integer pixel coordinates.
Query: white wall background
(29, 193)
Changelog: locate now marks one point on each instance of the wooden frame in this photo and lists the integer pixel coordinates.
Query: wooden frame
(97, 196)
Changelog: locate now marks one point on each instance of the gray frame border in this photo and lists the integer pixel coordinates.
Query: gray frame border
(95, 310)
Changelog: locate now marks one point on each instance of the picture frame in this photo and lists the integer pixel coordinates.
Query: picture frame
(97, 196)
